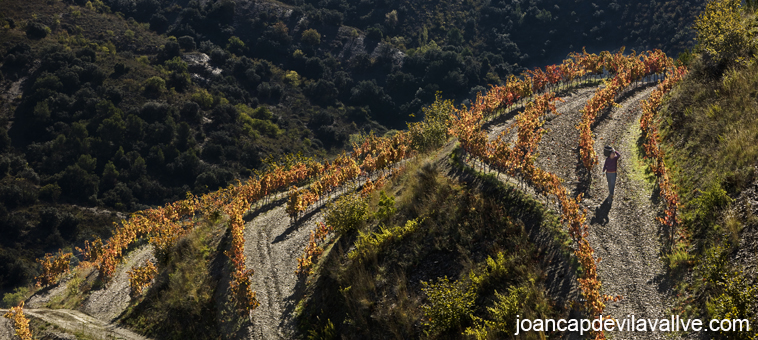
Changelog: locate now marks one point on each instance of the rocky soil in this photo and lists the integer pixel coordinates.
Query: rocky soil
(623, 231)
(272, 246)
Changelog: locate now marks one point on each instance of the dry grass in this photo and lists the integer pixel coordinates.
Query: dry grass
(379, 294)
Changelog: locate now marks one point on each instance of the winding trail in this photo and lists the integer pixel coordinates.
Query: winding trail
(272, 246)
(623, 232)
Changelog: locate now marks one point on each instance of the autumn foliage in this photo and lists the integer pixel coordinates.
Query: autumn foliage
(517, 160)
(626, 69)
(53, 267)
(314, 249)
(653, 150)
(20, 322)
(141, 277)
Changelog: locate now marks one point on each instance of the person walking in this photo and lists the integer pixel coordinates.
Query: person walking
(611, 164)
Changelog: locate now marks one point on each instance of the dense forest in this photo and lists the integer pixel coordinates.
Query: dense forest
(112, 106)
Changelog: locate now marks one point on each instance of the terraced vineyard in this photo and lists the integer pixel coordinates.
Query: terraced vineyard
(541, 131)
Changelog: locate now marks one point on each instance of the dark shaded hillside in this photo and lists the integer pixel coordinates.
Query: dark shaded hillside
(392, 56)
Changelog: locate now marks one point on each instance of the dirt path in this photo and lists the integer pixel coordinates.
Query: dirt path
(623, 232)
(272, 246)
(109, 302)
(6, 327)
(78, 323)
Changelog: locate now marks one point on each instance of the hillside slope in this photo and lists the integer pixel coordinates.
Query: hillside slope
(120, 105)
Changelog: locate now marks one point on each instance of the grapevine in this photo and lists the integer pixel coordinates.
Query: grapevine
(627, 69)
(53, 267)
(20, 322)
(376, 157)
(653, 151)
(141, 277)
(517, 160)
(314, 249)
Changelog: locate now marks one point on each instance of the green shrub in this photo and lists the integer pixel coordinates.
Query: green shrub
(720, 30)
(13, 299)
(449, 303)
(203, 98)
(494, 270)
(374, 242)
(432, 131)
(506, 307)
(707, 206)
(386, 206)
(154, 86)
(50, 192)
(713, 265)
(734, 302)
(311, 37)
(347, 213)
(236, 45)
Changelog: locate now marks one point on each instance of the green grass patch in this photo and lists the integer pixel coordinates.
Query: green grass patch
(638, 170)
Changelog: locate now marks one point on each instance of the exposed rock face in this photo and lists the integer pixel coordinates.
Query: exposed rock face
(198, 64)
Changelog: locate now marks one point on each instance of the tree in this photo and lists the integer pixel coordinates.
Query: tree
(154, 86)
(36, 30)
(187, 43)
(311, 37)
(78, 184)
(236, 45)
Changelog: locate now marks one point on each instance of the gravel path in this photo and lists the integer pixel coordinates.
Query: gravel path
(6, 327)
(76, 322)
(109, 302)
(624, 232)
(272, 246)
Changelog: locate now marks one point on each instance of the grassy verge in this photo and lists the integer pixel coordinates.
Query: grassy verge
(709, 130)
(638, 170)
(181, 303)
(436, 258)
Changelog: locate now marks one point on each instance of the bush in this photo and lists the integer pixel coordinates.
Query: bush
(36, 30)
(236, 45)
(448, 304)
(13, 299)
(708, 205)
(735, 302)
(203, 98)
(154, 86)
(311, 37)
(188, 43)
(386, 207)
(50, 192)
(347, 213)
(720, 31)
(432, 131)
(78, 184)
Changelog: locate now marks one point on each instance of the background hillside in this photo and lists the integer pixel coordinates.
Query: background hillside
(109, 107)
